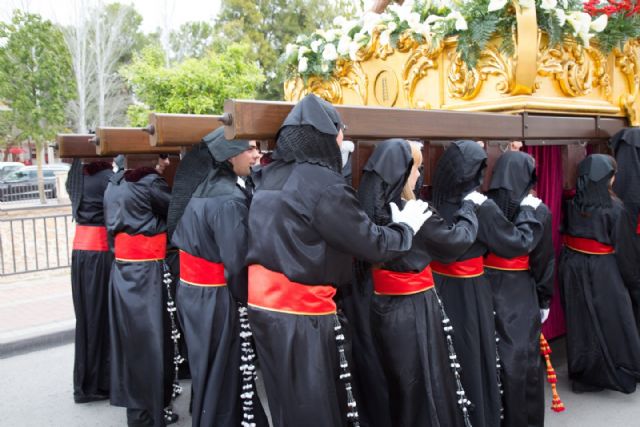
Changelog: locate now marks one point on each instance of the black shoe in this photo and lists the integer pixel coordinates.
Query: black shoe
(579, 388)
(86, 398)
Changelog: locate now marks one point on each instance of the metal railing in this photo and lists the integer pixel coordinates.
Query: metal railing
(26, 193)
(35, 244)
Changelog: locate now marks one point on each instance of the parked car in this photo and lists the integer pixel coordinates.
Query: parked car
(8, 167)
(22, 184)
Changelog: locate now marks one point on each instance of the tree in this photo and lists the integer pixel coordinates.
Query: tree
(195, 86)
(101, 41)
(269, 25)
(191, 40)
(35, 78)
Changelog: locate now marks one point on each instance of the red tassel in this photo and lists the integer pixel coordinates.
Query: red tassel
(545, 350)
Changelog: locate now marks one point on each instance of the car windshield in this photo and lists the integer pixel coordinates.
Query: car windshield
(15, 175)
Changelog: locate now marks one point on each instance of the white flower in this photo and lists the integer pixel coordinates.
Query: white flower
(324, 67)
(581, 23)
(413, 20)
(301, 38)
(329, 53)
(354, 47)
(343, 45)
(370, 22)
(561, 17)
(391, 26)
(497, 5)
(385, 37)
(303, 64)
(599, 24)
(432, 19)
(315, 45)
(291, 49)
(461, 23)
(302, 51)
(548, 4)
(527, 3)
(339, 21)
(360, 38)
(331, 35)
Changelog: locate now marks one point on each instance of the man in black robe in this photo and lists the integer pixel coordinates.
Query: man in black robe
(465, 292)
(91, 262)
(136, 203)
(522, 288)
(598, 270)
(305, 225)
(626, 148)
(212, 237)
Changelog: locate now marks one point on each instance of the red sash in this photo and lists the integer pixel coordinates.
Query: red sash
(386, 282)
(638, 225)
(472, 267)
(201, 272)
(140, 248)
(587, 246)
(90, 238)
(273, 291)
(519, 263)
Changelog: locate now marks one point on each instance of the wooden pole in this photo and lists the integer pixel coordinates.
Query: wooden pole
(261, 120)
(72, 145)
(115, 140)
(172, 130)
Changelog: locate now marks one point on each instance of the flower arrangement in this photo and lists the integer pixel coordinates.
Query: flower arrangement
(610, 22)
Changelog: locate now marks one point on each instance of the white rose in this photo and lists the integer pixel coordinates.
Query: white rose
(291, 49)
(461, 23)
(599, 24)
(315, 45)
(548, 4)
(413, 20)
(343, 45)
(497, 5)
(303, 64)
(302, 51)
(329, 53)
(391, 26)
(331, 35)
(385, 37)
(325, 67)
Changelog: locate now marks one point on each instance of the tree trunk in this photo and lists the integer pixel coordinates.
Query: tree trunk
(39, 152)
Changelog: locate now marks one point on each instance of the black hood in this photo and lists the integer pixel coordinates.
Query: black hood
(629, 136)
(460, 170)
(513, 176)
(308, 134)
(223, 149)
(384, 177)
(592, 188)
(74, 186)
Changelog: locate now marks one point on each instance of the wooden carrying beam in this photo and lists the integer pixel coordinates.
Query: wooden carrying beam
(172, 130)
(74, 145)
(262, 119)
(114, 141)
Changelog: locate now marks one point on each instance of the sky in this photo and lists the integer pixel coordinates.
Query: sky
(155, 13)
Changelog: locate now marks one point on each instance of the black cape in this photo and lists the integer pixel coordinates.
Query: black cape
(90, 272)
(518, 297)
(136, 202)
(603, 343)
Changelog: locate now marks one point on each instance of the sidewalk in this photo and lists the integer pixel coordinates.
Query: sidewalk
(36, 311)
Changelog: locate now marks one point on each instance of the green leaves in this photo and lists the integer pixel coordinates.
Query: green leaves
(194, 86)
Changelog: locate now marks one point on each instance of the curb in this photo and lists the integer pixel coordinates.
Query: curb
(38, 338)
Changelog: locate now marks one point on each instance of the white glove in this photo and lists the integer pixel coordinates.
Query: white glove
(414, 214)
(476, 197)
(544, 314)
(532, 201)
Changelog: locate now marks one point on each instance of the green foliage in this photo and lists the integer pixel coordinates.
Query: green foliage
(35, 75)
(619, 29)
(195, 86)
(191, 40)
(472, 41)
(267, 26)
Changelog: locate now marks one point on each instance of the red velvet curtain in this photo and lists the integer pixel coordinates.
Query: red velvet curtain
(549, 189)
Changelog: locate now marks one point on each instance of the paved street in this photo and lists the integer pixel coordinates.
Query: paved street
(36, 391)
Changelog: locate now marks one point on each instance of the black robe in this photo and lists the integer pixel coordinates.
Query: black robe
(140, 346)
(518, 297)
(90, 272)
(602, 340)
(469, 304)
(408, 330)
(214, 227)
(306, 223)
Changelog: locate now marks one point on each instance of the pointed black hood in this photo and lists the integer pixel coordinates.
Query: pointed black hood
(513, 176)
(592, 188)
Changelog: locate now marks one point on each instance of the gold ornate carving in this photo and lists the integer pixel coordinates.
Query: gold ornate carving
(423, 58)
(462, 82)
(352, 76)
(385, 88)
(629, 63)
(294, 89)
(329, 90)
(569, 65)
(601, 78)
